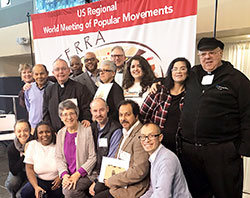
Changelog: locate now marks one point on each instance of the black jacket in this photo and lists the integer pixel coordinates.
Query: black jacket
(219, 112)
(72, 90)
(107, 132)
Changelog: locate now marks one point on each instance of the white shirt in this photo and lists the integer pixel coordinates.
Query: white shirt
(126, 135)
(43, 159)
(133, 93)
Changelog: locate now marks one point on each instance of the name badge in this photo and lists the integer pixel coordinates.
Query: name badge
(125, 156)
(103, 142)
(207, 80)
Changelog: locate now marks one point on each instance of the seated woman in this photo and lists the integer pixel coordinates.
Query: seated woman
(17, 175)
(137, 79)
(75, 152)
(163, 108)
(41, 167)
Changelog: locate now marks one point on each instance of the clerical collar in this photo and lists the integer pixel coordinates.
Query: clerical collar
(64, 84)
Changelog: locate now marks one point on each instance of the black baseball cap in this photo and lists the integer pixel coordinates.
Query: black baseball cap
(209, 43)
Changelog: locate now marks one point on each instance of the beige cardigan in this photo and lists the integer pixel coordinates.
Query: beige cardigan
(85, 150)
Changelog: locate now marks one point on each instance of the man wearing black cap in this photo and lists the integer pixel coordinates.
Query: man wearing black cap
(215, 125)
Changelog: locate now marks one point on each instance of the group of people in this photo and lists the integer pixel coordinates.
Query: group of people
(183, 135)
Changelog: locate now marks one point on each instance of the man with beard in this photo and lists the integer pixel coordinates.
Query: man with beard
(90, 78)
(106, 132)
(133, 182)
(119, 58)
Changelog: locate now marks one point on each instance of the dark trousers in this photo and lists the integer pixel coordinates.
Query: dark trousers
(101, 191)
(213, 170)
(29, 192)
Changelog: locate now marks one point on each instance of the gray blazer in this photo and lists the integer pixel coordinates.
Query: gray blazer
(85, 150)
(85, 79)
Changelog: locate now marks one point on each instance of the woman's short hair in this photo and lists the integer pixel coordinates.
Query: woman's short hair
(24, 66)
(22, 121)
(148, 74)
(67, 104)
(110, 63)
(169, 82)
(51, 130)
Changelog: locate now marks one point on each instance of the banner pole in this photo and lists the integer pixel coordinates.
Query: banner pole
(215, 17)
(31, 49)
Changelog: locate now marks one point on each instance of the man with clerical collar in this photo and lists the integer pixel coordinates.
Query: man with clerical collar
(215, 128)
(34, 95)
(75, 66)
(119, 58)
(133, 182)
(106, 132)
(90, 78)
(109, 90)
(166, 175)
(63, 89)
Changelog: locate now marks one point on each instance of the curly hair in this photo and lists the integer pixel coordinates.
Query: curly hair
(169, 82)
(148, 74)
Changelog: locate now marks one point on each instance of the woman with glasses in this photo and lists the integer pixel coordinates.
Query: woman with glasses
(75, 152)
(137, 79)
(41, 167)
(163, 108)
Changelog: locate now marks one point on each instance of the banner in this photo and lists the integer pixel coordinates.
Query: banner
(158, 30)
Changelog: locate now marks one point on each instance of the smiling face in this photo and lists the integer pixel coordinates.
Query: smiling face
(126, 116)
(179, 72)
(118, 57)
(40, 75)
(26, 75)
(136, 70)
(210, 59)
(69, 118)
(61, 71)
(150, 145)
(91, 62)
(99, 111)
(22, 132)
(44, 135)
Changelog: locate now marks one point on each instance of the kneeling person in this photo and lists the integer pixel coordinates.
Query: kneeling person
(107, 134)
(167, 178)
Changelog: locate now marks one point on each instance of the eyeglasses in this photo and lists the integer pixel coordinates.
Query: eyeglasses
(68, 114)
(209, 53)
(89, 59)
(176, 69)
(149, 137)
(117, 55)
(105, 70)
(62, 69)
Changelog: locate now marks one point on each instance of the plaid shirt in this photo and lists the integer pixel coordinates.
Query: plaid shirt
(155, 107)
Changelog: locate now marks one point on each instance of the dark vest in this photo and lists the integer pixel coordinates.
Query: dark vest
(108, 131)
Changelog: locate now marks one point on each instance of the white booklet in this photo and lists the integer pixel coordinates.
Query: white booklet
(112, 166)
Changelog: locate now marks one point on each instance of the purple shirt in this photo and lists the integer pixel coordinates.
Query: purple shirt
(70, 154)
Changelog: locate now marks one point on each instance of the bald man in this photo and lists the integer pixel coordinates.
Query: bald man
(107, 134)
(167, 178)
(34, 95)
(91, 77)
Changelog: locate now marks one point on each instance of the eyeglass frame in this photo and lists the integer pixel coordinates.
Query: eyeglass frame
(149, 137)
